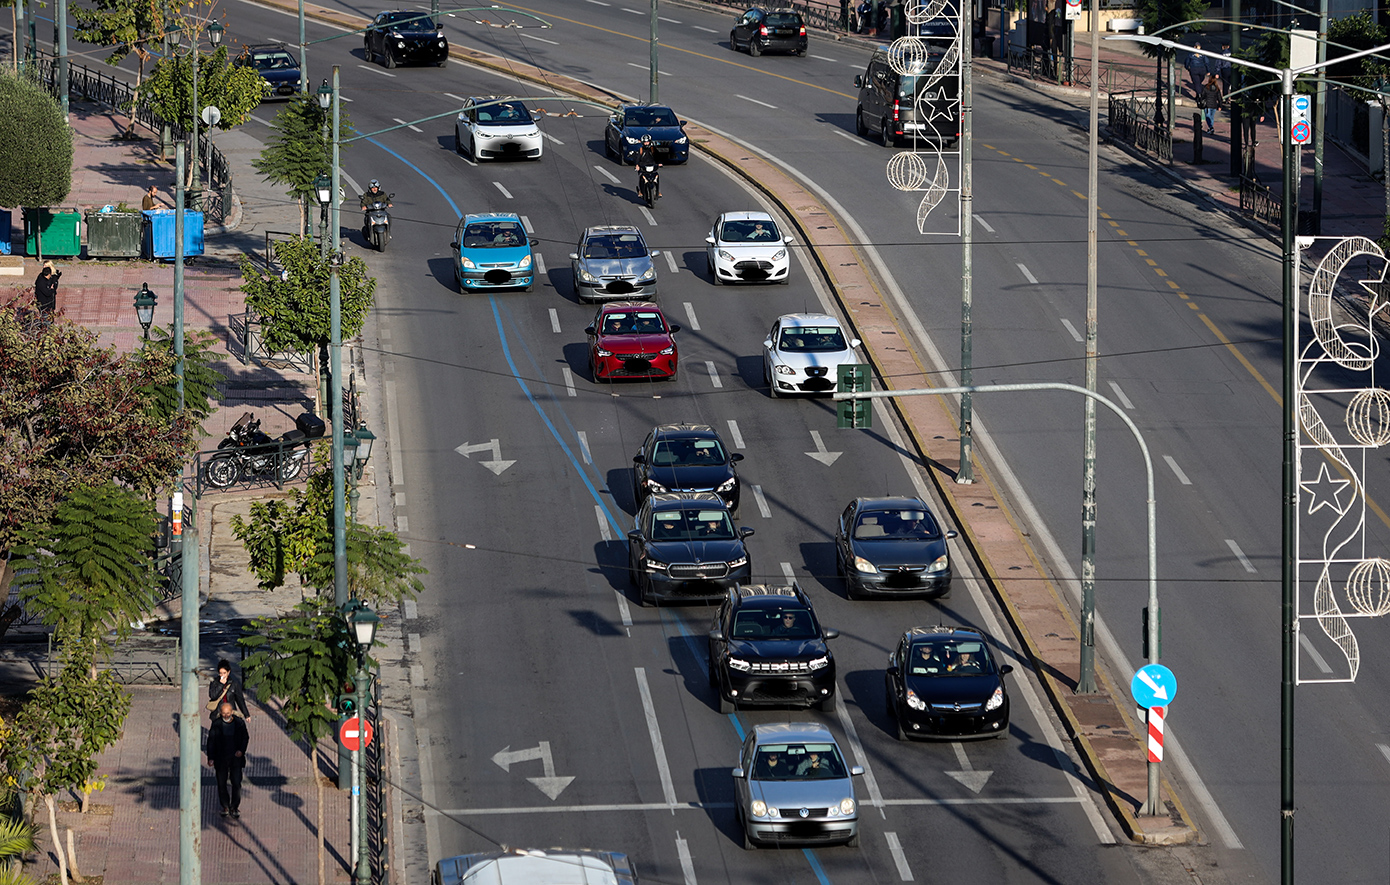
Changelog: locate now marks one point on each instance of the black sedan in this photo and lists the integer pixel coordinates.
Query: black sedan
(892, 547)
(686, 458)
(622, 137)
(759, 31)
(397, 38)
(686, 548)
(942, 682)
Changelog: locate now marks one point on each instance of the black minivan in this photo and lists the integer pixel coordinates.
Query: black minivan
(760, 30)
(917, 105)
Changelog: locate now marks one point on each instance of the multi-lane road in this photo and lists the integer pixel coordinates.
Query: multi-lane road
(555, 710)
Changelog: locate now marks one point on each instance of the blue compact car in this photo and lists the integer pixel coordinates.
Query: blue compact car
(493, 251)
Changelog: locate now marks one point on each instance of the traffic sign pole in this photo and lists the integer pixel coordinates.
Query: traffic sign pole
(1153, 687)
(1155, 717)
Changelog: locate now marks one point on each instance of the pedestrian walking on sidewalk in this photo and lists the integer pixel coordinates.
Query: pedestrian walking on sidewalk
(1196, 68)
(225, 686)
(46, 288)
(226, 751)
(1209, 100)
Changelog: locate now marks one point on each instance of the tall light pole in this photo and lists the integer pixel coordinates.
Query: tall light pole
(362, 621)
(965, 474)
(215, 31)
(60, 45)
(651, 49)
(1086, 683)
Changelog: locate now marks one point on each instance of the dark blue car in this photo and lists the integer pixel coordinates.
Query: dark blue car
(279, 69)
(623, 136)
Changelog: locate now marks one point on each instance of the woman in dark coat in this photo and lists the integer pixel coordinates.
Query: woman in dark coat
(226, 687)
(1211, 100)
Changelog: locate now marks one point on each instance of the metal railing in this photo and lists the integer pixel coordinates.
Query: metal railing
(1130, 118)
(378, 833)
(1260, 202)
(245, 329)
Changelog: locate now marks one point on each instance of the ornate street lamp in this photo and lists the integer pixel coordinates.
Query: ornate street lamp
(325, 95)
(323, 189)
(145, 301)
(362, 622)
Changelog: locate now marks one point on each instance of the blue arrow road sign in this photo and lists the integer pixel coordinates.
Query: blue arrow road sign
(1154, 685)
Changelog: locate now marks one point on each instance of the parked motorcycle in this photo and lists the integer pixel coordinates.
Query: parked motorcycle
(248, 452)
(376, 223)
(649, 183)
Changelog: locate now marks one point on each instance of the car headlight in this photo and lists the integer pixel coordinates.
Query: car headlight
(915, 702)
(779, 254)
(630, 140)
(863, 565)
(602, 352)
(740, 562)
(819, 663)
(847, 806)
(739, 664)
(648, 276)
(484, 134)
(534, 133)
(652, 565)
(586, 276)
(996, 700)
(725, 255)
(440, 33)
(667, 351)
(400, 44)
(394, 35)
(942, 563)
(442, 44)
(785, 370)
(467, 262)
(758, 808)
(681, 140)
(654, 486)
(525, 263)
(727, 485)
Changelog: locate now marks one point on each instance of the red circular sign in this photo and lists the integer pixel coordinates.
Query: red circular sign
(351, 728)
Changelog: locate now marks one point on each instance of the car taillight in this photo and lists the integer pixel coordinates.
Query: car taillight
(895, 110)
(763, 30)
(803, 30)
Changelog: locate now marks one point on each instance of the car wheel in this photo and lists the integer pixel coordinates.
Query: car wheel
(713, 674)
(367, 50)
(754, 49)
(458, 142)
(443, 62)
(733, 44)
(387, 58)
(726, 706)
(473, 149)
(530, 287)
(883, 131)
(853, 840)
(826, 705)
(714, 275)
(860, 129)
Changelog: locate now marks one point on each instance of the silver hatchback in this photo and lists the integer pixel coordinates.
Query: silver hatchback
(793, 786)
(612, 261)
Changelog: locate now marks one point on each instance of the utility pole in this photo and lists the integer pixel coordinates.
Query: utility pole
(1086, 683)
(652, 61)
(1319, 120)
(965, 474)
(60, 43)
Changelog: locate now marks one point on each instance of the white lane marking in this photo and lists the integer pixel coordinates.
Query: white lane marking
(822, 58)
(895, 848)
(857, 748)
(668, 789)
(1072, 329)
(694, 324)
(526, 223)
(1384, 751)
(854, 138)
(633, 64)
(683, 852)
(763, 509)
(506, 193)
(454, 97)
(982, 223)
(706, 30)
(967, 776)
(259, 120)
(1027, 274)
(706, 806)
(540, 264)
(755, 101)
(376, 70)
(787, 571)
(600, 3)
(584, 447)
(604, 531)
(608, 175)
(820, 454)
(713, 374)
(1177, 471)
(1318, 659)
(412, 609)
(664, 19)
(671, 260)
(623, 611)
(1240, 554)
(551, 138)
(541, 39)
(734, 433)
(569, 381)
(634, 11)
(647, 214)
(554, 321)
(407, 125)
(412, 642)
(1120, 395)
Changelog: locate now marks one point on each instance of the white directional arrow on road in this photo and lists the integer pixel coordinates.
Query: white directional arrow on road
(1160, 691)
(550, 785)
(968, 777)
(496, 465)
(820, 454)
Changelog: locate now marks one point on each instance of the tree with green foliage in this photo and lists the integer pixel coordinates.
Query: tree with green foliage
(35, 145)
(127, 26)
(296, 535)
(16, 840)
(201, 382)
(1167, 16)
(75, 414)
(300, 659)
(301, 150)
(294, 312)
(234, 89)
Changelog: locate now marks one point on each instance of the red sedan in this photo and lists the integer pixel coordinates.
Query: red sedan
(631, 339)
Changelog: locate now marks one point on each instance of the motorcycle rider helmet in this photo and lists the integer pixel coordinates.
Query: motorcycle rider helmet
(646, 139)
(373, 184)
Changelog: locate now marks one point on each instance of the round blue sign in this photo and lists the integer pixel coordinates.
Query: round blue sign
(1153, 685)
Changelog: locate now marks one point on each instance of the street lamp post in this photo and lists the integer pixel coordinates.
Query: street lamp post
(144, 308)
(215, 31)
(362, 621)
(323, 190)
(361, 446)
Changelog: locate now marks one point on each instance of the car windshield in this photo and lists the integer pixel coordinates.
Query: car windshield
(798, 762)
(896, 525)
(948, 657)
(633, 322)
(614, 246)
(651, 117)
(785, 623)
(812, 339)
(409, 21)
(493, 234)
(692, 525)
(511, 113)
(687, 453)
(783, 20)
(273, 61)
(749, 232)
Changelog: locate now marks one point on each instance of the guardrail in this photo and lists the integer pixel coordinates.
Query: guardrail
(245, 329)
(1130, 118)
(1260, 202)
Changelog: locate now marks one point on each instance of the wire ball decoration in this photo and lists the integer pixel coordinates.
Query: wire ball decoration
(907, 171)
(908, 55)
(920, 12)
(1368, 416)
(1368, 587)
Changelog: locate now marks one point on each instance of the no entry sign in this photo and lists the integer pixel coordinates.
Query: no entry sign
(355, 733)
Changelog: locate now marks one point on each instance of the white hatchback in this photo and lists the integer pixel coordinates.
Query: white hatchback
(492, 129)
(747, 247)
(802, 353)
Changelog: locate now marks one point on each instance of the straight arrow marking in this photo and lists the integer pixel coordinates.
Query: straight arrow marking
(967, 777)
(820, 454)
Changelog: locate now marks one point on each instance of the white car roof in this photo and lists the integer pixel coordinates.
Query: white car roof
(808, 319)
(746, 216)
(539, 868)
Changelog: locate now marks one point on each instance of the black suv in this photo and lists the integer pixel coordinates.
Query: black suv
(759, 31)
(766, 647)
(405, 38)
(686, 458)
(922, 105)
(686, 548)
(279, 70)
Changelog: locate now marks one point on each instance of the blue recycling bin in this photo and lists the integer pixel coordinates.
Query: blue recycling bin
(5, 246)
(159, 242)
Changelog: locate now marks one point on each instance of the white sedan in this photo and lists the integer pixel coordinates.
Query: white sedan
(803, 351)
(747, 247)
(491, 129)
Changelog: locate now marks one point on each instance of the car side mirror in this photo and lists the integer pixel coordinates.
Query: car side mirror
(534, 242)
(589, 330)
(574, 256)
(638, 458)
(787, 240)
(738, 773)
(682, 122)
(454, 244)
(634, 535)
(859, 81)
(1006, 669)
(952, 533)
(767, 342)
(716, 635)
(655, 252)
(745, 532)
(675, 328)
(832, 634)
(854, 342)
(856, 771)
(736, 457)
(710, 240)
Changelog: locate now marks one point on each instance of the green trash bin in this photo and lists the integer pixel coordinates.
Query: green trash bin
(112, 234)
(58, 232)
